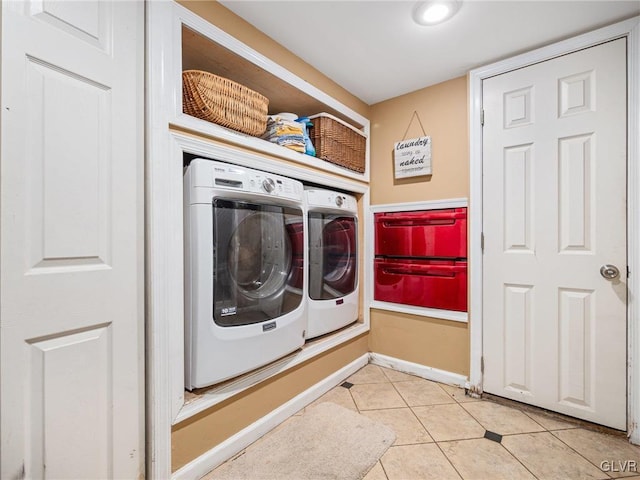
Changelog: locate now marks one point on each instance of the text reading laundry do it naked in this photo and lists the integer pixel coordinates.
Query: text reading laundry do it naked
(414, 161)
(416, 142)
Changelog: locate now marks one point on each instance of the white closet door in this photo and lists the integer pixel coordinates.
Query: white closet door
(71, 244)
(554, 183)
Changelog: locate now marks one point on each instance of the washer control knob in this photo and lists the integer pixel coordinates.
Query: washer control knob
(339, 201)
(269, 185)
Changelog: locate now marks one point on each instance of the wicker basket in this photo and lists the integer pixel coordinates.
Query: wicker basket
(223, 101)
(338, 142)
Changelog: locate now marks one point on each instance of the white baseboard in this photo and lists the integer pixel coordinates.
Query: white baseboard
(430, 373)
(245, 437)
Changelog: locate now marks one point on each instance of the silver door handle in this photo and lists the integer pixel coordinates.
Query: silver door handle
(609, 272)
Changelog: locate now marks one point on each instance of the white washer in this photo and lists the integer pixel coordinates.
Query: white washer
(333, 260)
(244, 298)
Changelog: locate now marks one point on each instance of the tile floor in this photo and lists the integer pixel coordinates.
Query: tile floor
(440, 435)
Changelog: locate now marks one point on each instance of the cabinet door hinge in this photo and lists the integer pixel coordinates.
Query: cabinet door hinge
(482, 117)
(482, 241)
(482, 365)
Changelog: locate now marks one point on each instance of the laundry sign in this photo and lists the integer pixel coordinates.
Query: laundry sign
(412, 157)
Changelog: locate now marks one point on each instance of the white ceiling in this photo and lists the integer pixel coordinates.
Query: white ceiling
(375, 50)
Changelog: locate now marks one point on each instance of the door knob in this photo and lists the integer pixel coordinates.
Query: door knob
(609, 272)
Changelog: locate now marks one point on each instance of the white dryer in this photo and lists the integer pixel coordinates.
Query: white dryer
(244, 270)
(333, 260)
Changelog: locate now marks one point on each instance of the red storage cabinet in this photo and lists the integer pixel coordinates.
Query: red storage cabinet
(424, 283)
(421, 258)
(425, 233)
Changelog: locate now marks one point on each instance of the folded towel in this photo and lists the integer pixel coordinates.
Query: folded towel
(278, 126)
(286, 133)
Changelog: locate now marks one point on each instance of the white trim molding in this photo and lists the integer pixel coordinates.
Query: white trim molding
(246, 158)
(631, 30)
(163, 274)
(633, 228)
(452, 315)
(211, 459)
(424, 205)
(422, 371)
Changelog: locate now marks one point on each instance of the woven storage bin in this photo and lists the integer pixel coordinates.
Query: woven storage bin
(223, 101)
(338, 142)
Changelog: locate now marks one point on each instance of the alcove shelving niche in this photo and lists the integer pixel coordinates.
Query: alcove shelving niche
(178, 39)
(205, 47)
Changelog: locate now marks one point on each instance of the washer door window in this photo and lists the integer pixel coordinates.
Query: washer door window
(332, 256)
(253, 262)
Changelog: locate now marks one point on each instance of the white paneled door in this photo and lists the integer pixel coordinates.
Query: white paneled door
(554, 223)
(71, 239)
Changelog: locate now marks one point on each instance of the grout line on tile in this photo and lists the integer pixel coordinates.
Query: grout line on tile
(389, 408)
(448, 460)
(471, 415)
(393, 384)
(576, 422)
(422, 425)
(517, 459)
(448, 394)
(505, 449)
(384, 470)
(526, 412)
(392, 408)
(569, 446)
(384, 372)
(452, 401)
(353, 400)
(573, 449)
(451, 439)
(504, 435)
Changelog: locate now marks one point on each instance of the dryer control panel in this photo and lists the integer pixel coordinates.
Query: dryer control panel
(332, 200)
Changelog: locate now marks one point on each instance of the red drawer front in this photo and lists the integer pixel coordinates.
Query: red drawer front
(425, 233)
(424, 283)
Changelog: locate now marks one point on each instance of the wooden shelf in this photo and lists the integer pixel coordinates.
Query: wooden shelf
(202, 53)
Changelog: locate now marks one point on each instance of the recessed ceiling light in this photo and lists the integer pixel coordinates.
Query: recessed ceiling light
(435, 11)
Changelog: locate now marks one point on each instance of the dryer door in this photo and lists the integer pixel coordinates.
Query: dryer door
(333, 262)
(253, 262)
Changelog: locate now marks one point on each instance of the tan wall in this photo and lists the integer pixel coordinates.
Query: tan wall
(426, 341)
(198, 434)
(442, 110)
